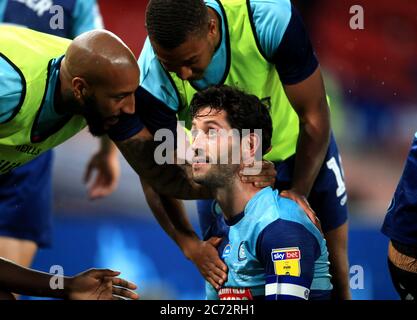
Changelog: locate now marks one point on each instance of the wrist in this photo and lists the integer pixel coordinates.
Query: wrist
(187, 243)
(68, 288)
(107, 147)
(302, 191)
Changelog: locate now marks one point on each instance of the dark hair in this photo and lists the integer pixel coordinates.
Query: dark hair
(170, 22)
(244, 111)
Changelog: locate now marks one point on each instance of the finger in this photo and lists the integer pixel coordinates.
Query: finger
(261, 185)
(286, 194)
(96, 190)
(219, 263)
(88, 171)
(249, 165)
(213, 283)
(124, 283)
(258, 178)
(217, 280)
(100, 273)
(122, 292)
(263, 173)
(268, 164)
(215, 241)
(307, 208)
(95, 193)
(107, 188)
(115, 297)
(305, 205)
(220, 273)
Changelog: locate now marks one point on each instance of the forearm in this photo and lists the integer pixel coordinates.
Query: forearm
(308, 98)
(19, 280)
(107, 145)
(171, 215)
(168, 179)
(312, 144)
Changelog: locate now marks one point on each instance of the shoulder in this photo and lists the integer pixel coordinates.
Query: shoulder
(274, 10)
(10, 90)
(270, 19)
(154, 79)
(287, 236)
(286, 218)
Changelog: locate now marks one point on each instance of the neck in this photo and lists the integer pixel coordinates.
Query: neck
(233, 196)
(61, 103)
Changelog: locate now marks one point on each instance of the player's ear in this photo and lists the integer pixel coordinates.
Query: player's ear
(213, 29)
(80, 88)
(251, 144)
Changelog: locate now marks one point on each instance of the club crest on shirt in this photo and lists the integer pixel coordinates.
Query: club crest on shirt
(286, 261)
(226, 251)
(241, 253)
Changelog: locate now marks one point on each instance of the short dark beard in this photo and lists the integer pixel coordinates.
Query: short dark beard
(220, 177)
(89, 109)
(92, 115)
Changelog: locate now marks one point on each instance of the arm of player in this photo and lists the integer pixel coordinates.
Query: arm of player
(300, 74)
(94, 284)
(162, 184)
(167, 179)
(288, 260)
(308, 99)
(172, 217)
(106, 167)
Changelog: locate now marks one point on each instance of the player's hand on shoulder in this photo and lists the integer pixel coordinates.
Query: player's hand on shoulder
(303, 203)
(261, 173)
(100, 284)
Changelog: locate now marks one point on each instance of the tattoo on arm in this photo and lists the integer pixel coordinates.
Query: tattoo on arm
(168, 179)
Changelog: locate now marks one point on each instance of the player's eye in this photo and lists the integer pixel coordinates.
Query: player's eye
(120, 96)
(213, 133)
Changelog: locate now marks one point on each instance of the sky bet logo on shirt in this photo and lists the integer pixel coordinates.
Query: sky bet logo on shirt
(287, 261)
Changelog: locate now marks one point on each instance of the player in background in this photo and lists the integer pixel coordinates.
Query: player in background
(400, 226)
(26, 192)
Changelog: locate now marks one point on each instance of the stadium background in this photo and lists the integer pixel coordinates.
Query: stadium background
(371, 77)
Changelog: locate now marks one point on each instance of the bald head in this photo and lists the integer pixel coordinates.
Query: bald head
(99, 75)
(95, 55)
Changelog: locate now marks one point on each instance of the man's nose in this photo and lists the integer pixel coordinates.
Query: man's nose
(129, 105)
(198, 141)
(185, 73)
